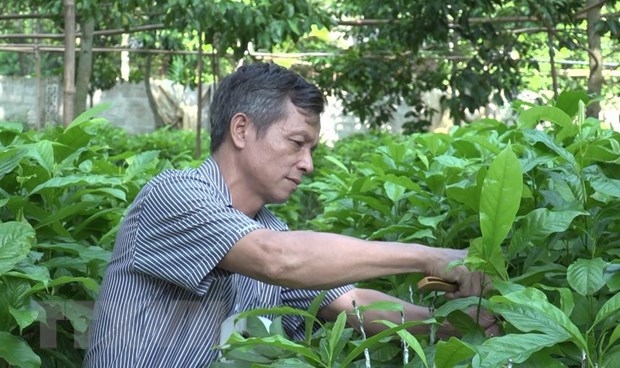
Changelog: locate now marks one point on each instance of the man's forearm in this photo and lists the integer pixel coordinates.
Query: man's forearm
(306, 259)
(367, 296)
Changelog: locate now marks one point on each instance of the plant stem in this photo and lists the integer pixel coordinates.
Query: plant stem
(404, 342)
(360, 318)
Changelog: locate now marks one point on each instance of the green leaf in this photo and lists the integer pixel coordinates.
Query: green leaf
(141, 163)
(586, 276)
(615, 335)
(500, 199)
(383, 306)
(29, 271)
(276, 311)
(393, 229)
(13, 293)
(483, 142)
(310, 319)
(285, 363)
(394, 191)
(337, 162)
(376, 339)
(611, 307)
(87, 254)
(568, 101)
(466, 193)
(43, 153)
(276, 341)
(528, 310)
(611, 358)
(64, 212)
(605, 185)
(16, 351)
(451, 161)
(24, 316)
(539, 224)
(409, 339)
(8, 132)
(401, 181)
(567, 301)
(236, 357)
(79, 313)
(70, 181)
(496, 351)
(432, 221)
(459, 304)
(536, 136)
(256, 327)
(612, 278)
(532, 116)
(87, 282)
(601, 150)
(87, 115)
(10, 159)
(373, 203)
(276, 327)
(452, 352)
(334, 336)
(16, 239)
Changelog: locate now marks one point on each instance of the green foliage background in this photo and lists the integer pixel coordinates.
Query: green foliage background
(536, 203)
(373, 55)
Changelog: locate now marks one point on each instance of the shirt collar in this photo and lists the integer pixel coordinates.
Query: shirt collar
(211, 171)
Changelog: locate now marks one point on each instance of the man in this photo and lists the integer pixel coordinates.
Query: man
(198, 246)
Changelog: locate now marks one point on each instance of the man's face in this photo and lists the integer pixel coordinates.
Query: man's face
(278, 159)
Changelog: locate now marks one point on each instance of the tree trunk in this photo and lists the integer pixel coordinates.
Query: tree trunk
(554, 72)
(159, 122)
(595, 81)
(85, 65)
(69, 61)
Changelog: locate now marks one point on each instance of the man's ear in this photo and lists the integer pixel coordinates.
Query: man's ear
(239, 129)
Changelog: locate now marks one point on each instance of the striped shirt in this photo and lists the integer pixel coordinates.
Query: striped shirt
(163, 298)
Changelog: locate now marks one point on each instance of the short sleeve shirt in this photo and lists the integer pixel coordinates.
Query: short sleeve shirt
(163, 297)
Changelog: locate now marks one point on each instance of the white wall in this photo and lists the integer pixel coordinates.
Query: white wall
(130, 108)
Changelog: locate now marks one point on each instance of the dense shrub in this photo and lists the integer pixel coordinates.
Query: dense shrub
(536, 204)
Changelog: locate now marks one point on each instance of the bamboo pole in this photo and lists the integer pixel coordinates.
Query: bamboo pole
(595, 79)
(199, 100)
(37, 67)
(69, 74)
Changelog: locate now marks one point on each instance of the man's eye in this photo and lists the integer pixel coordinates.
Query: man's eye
(298, 143)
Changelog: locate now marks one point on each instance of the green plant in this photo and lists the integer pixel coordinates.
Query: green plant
(537, 205)
(63, 193)
(329, 344)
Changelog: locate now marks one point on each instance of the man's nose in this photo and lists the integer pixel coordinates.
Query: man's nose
(306, 163)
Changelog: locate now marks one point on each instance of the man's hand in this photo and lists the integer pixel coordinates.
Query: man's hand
(469, 283)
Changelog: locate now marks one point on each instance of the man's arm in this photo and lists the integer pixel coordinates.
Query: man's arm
(412, 313)
(313, 260)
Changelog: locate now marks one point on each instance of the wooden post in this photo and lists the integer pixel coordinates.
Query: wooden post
(37, 66)
(595, 79)
(69, 75)
(199, 101)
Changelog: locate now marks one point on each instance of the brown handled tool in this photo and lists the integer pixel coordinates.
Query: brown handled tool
(431, 283)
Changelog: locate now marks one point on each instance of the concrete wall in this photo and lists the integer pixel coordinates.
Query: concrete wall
(18, 99)
(177, 105)
(129, 107)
